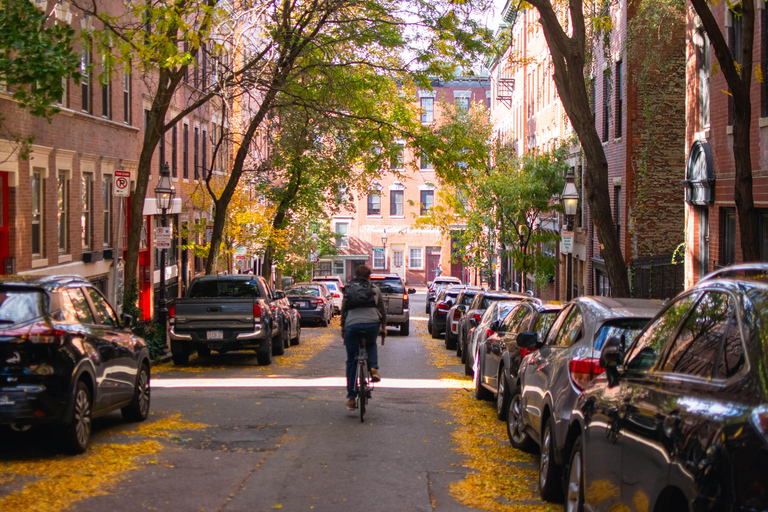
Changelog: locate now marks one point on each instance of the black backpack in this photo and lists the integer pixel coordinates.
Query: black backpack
(359, 294)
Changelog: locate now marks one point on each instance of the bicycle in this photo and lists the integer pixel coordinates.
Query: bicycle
(363, 384)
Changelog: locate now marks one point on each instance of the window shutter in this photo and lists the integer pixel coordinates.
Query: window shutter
(392, 203)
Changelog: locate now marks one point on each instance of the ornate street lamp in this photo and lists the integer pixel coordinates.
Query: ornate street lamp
(570, 200)
(164, 192)
(384, 239)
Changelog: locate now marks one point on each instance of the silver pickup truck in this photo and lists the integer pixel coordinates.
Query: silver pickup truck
(225, 313)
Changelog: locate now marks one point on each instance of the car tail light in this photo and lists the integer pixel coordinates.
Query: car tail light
(477, 317)
(584, 370)
(336, 296)
(45, 334)
(759, 420)
(172, 313)
(443, 307)
(316, 302)
(256, 311)
(489, 333)
(457, 315)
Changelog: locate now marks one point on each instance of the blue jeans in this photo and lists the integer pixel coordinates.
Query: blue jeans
(352, 335)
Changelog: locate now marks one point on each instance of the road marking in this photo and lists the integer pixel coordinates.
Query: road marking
(324, 382)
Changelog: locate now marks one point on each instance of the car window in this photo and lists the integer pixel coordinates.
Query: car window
(102, 310)
(302, 292)
(389, 285)
(224, 288)
(543, 322)
(645, 351)
(698, 343)
(516, 319)
(732, 357)
(477, 302)
(571, 330)
(556, 325)
(80, 305)
(21, 305)
(629, 329)
(331, 286)
(467, 298)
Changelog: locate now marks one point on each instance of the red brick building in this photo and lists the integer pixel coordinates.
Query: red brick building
(712, 232)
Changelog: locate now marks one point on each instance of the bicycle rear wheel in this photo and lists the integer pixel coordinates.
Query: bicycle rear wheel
(362, 388)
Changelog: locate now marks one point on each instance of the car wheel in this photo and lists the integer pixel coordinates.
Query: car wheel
(480, 392)
(426, 310)
(459, 348)
(179, 353)
(467, 365)
(516, 433)
(405, 328)
(429, 326)
(450, 339)
(550, 473)
(77, 433)
(278, 347)
(574, 499)
(264, 355)
(296, 339)
(286, 336)
(435, 333)
(138, 410)
(502, 396)
(203, 350)
(324, 321)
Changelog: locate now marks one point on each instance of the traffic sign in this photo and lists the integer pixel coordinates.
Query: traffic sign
(163, 237)
(208, 234)
(567, 242)
(122, 184)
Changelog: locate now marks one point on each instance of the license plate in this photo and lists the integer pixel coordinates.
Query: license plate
(4, 400)
(302, 304)
(215, 335)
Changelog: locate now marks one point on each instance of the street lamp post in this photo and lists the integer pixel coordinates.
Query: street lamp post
(384, 244)
(313, 254)
(570, 199)
(164, 192)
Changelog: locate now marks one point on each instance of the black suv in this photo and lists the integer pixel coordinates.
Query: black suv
(681, 420)
(66, 358)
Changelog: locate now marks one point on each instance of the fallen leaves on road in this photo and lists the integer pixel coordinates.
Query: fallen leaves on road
(165, 427)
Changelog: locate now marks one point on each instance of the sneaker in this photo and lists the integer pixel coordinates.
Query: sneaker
(351, 404)
(375, 377)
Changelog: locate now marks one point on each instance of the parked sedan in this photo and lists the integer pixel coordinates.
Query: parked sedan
(312, 301)
(438, 284)
(290, 316)
(684, 422)
(552, 377)
(67, 358)
(475, 312)
(498, 359)
(489, 324)
(454, 315)
(443, 302)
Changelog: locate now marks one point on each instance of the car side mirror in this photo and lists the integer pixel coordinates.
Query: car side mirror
(279, 294)
(127, 321)
(411, 290)
(495, 326)
(611, 358)
(528, 340)
(473, 322)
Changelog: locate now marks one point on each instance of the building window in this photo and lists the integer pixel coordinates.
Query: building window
(704, 66)
(37, 212)
(185, 152)
(379, 258)
(606, 105)
(342, 232)
(106, 186)
(174, 153)
(397, 161)
(205, 153)
(427, 110)
(64, 91)
(374, 204)
(196, 149)
(619, 100)
(727, 236)
(424, 162)
(602, 285)
(85, 79)
(338, 267)
(427, 200)
(62, 192)
(462, 103)
(106, 90)
(396, 202)
(415, 259)
(127, 95)
(85, 216)
(617, 210)
(735, 32)
(397, 259)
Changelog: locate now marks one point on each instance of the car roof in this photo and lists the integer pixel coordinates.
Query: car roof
(497, 294)
(446, 279)
(326, 278)
(385, 276)
(306, 284)
(609, 307)
(227, 277)
(47, 282)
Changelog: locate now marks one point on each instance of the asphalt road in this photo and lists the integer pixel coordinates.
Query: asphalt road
(277, 438)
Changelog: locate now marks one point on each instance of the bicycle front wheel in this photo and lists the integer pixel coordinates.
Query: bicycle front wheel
(362, 388)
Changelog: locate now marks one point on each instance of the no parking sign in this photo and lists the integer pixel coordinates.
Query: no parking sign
(122, 183)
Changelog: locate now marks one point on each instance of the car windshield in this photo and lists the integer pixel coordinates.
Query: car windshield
(467, 298)
(224, 288)
(331, 286)
(303, 292)
(19, 305)
(628, 328)
(389, 285)
(545, 321)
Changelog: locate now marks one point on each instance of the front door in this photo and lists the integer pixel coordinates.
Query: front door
(433, 260)
(398, 261)
(4, 245)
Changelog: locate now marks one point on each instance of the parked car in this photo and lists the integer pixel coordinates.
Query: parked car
(684, 421)
(336, 287)
(443, 302)
(438, 284)
(313, 301)
(551, 378)
(226, 312)
(67, 358)
(396, 300)
(291, 317)
(498, 359)
(475, 312)
(454, 315)
(489, 323)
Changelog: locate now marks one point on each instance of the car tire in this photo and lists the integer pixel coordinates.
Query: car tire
(278, 347)
(324, 321)
(286, 336)
(550, 473)
(426, 310)
(502, 396)
(264, 354)
(450, 339)
(459, 348)
(179, 353)
(77, 432)
(435, 333)
(429, 326)
(481, 393)
(297, 339)
(468, 365)
(574, 497)
(516, 433)
(203, 351)
(405, 328)
(138, 409)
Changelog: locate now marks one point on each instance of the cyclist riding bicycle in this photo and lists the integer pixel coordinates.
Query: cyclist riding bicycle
(363, 314)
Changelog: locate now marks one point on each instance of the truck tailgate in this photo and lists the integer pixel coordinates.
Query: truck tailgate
(393, 304)
(214, 314)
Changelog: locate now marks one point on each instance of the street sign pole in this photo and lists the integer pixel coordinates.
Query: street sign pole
(116, 285)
